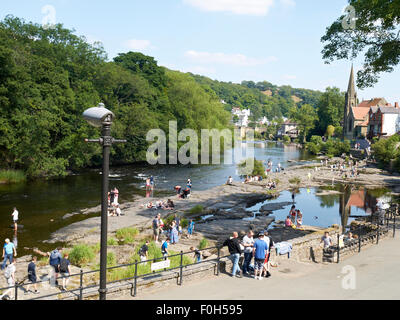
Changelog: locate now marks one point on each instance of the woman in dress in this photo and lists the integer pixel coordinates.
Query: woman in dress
(174, 233)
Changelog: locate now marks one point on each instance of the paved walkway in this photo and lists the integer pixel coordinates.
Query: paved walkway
(377, 276)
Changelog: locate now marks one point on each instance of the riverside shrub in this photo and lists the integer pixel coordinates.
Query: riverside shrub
(81, 255)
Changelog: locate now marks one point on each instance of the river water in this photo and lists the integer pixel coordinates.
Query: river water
(42, 204)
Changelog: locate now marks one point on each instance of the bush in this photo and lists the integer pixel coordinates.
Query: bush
(196, 209)
(295, 180)
(286, 139)
(96, 248)
(203, 243)
(81, 255)
(127, 235)
(257, 170)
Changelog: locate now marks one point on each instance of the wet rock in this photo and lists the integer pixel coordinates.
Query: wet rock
(269, 207)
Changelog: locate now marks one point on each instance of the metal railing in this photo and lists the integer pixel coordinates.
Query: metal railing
(390, 215)
(79, 291)
(382, 227)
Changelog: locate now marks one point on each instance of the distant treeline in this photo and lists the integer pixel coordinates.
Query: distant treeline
(48, 77)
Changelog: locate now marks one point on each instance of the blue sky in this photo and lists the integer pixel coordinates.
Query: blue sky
(228, 40)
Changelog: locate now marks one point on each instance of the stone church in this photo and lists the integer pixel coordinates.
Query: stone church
(357, 115)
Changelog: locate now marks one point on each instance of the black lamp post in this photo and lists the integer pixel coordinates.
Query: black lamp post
(101, 117)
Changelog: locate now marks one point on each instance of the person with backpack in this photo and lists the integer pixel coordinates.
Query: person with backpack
(144, 251)
(32, 276)
(55, 259)
(9, 274)
(65, 270)
(8, 250)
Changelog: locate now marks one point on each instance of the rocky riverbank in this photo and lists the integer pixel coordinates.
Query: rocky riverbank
(226, 205)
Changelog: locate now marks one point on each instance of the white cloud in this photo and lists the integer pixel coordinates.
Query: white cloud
(288, 3)
(229, 59)
(241, 7)
(135, 44)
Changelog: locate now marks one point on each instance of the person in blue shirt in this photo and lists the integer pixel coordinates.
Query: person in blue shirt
(190, 228)
(260, 251)
(164, 248)
(8, 251)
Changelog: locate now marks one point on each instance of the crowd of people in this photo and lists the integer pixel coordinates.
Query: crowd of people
(295, 218)
(59, 263)
(258, 249)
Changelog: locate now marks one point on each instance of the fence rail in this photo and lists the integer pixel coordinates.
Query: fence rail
(382, 228)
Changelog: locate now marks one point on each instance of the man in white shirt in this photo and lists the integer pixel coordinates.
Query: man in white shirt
(248, 243)
(15, 218)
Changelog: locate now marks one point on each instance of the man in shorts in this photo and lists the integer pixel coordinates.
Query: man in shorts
(8, 251)
(65, 270)
(32, 276)
(260, 251)
(15, 218)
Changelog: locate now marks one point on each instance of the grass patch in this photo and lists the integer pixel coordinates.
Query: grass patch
(127, 235)
(12, 176)
(145, 268)
(43, 261)
(112, 242)
(203, 243)
(95, 248)
(81, 255)
(295, 180)
(196, 209)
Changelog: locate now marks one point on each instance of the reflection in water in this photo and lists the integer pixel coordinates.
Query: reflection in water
(326, 206)
(15, 239)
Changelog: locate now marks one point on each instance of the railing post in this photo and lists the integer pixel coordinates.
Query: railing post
(181, 269)
(377, 235)
(81, 285)
(16, 291)
(394, 225)
(135, 280)
(338, 248)
(359, 238)
(218, 259)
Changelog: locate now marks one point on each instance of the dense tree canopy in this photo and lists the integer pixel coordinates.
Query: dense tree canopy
(373, 31)
(48, 77)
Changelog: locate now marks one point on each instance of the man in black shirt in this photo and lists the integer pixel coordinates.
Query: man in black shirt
(32, 276)
(143, 252)
(235, 251)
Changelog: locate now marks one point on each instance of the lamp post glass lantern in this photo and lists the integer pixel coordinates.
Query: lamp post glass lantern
(101, 117)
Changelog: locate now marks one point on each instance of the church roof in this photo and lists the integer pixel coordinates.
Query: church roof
(360, 113)
(372, 103)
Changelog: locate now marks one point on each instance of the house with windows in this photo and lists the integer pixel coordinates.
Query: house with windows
(384, 121)
(243, 116)
(288, 128)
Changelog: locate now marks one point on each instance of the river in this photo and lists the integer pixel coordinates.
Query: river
(43, 203)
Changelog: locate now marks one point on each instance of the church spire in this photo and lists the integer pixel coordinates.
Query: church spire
(352, 88)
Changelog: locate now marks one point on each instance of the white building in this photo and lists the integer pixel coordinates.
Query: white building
(243, 116)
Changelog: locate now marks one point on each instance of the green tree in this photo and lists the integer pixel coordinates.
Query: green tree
(306, 118)
(330, 109)
(376, 36)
